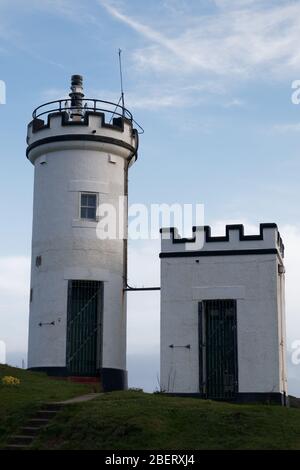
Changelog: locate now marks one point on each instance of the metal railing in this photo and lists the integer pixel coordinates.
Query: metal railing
(109, 109)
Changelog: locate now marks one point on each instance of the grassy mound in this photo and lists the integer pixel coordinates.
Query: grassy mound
(135, 420)
(18, 402)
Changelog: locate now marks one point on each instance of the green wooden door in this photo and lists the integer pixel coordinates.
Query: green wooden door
(84, 328)
(218, 349)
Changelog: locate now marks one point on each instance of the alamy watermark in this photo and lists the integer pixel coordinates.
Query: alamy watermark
(2, 92)
(295, 355)
(144, 222)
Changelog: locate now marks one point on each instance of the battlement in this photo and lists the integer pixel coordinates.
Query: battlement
(92, 128)
(115, 123)
(60, 123)
(202, 243)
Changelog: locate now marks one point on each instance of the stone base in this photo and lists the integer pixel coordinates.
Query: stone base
(113, 379)
(267, 398)
(251, 397)
(110, 379)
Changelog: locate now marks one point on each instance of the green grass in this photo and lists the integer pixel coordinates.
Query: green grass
(135, 420)
(17, 403)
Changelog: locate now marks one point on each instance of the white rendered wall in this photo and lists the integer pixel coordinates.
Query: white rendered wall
(252, 280)
(69, 247)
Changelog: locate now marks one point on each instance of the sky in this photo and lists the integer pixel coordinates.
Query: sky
(210, 81)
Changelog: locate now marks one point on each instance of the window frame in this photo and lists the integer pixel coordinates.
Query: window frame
(88, 193)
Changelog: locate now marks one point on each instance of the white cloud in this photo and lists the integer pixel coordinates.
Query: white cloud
(233, 4)
(155, 101)
(287, 127)
(234, 41)
(14, 298)
(17, 40)
(143, 306)
(234, 103)
(213, 51)
(14, 273)
(151, 99)
(238, 40)
(218, 226)
(156, 96)
(73, 10)
(291, 239)
(52, 94)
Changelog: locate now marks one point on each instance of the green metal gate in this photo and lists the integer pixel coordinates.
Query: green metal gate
(84, 327)
(218, 349)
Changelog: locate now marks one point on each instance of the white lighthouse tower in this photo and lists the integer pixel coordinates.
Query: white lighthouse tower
(81, 150)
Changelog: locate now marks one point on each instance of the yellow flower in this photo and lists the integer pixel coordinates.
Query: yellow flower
(9, 380)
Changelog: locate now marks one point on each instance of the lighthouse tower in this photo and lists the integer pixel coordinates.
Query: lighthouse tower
(81, 150)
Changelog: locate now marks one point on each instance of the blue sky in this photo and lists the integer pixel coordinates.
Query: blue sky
(210, 81)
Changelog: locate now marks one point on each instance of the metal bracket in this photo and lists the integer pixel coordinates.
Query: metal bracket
(52, 323)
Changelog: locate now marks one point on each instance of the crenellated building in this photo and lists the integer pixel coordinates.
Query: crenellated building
(223, 314)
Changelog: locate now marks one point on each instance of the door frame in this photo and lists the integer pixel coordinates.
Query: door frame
(98, 333)
(202, 350)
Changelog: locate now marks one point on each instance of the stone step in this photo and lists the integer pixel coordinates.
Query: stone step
(52, 406)
(45, 414)
(37, 422)
(20, 440)
(33, 426)
(15, 447)
(30, 430)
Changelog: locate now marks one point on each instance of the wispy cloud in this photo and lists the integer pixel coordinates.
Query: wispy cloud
(287, 127)
(13, 39)
(214, 49)
(143, 29)
(14, 301)
(155, 101)
(239, 40)
(233, 4)
(170, 95)
(234, 103)
(51, 94)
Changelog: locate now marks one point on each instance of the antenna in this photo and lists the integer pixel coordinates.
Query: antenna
(121, 79)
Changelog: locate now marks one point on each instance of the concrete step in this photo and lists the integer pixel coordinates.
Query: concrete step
(30, 430)
(16, 447)
(45, 414)
(37, 422)
(52, 406)
(33, 426)
(20, 440)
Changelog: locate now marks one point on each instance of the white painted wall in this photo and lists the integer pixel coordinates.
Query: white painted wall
(69, 246)
(252, 280)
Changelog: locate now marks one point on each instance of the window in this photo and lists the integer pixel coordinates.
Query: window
(88, 206)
